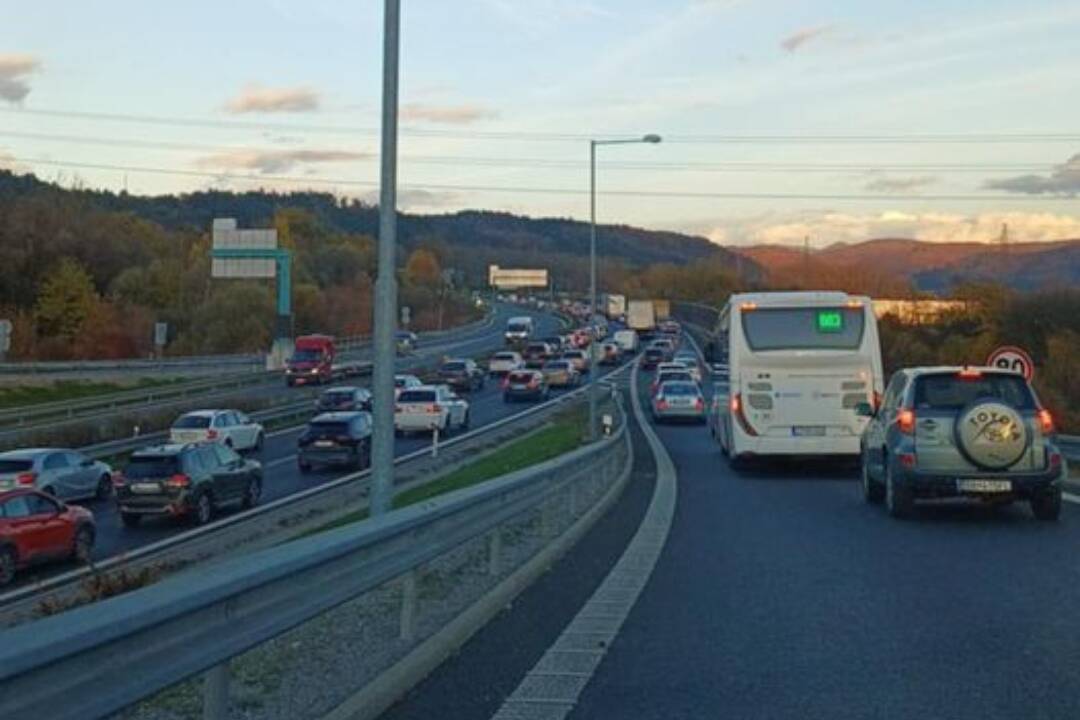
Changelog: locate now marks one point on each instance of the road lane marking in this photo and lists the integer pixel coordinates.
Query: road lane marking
(1071, 498)
(600, 619)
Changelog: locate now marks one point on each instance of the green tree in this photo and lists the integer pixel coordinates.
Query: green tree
(65, 299)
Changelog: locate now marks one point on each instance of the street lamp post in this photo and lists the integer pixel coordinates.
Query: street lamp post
(593, 431)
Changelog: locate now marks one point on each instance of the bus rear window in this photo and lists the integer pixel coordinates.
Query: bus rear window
(951, 391)
(808, 328)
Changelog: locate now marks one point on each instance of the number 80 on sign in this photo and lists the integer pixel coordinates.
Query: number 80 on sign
(1013, 359)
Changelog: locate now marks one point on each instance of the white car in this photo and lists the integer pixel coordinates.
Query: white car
(405, 382)
(424, 408)
(502, 363)
(691, 363)
(670, 366)
(231, 428)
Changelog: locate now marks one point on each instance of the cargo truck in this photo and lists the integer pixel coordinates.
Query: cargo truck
(614, 306)
(641, 316)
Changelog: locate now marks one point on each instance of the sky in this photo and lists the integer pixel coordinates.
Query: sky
(781, 120)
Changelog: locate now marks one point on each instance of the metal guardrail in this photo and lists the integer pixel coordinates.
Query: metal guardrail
(1070, 447)
(113, 653)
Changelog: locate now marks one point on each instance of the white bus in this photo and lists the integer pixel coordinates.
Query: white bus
(798, 364)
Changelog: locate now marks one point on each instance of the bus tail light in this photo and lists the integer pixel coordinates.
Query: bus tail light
(737, 411)
(905, 421)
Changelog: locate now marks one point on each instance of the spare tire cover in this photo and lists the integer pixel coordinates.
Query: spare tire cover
(991, 434)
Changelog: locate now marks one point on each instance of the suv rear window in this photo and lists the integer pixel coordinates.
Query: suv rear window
(338, 396)
(674, 387)
(453, 367)
(192, 421)
(504, 356)
(13, 466)
(157, 466)
(521, 377)
(417, 396)
(536, 347)
(950, 391)
(328, 429)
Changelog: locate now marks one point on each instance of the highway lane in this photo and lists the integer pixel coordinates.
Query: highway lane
(780, 593)
(281, 474)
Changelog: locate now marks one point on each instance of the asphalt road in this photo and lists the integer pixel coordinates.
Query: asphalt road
(781, 594)
(281, 476)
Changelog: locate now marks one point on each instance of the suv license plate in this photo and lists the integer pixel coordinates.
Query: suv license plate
(808, 431)
(145, 488)
(984, 486)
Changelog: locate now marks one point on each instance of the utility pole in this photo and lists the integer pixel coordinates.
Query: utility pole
(1003, 239)
(386, 291)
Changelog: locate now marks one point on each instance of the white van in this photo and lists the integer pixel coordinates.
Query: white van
(519, 330)
(627, 340)
(799, 364)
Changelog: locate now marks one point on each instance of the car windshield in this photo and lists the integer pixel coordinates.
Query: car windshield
(307, 355)
(680, 375)
(417, 396)
(328, 428)
(520, 377)
(654, 352)
(152, 466)
(503, 356)
(952, 391)
(557, 365)
(803, 328)
(14, 466)
(672, 388)
(536, 348)
(338, 396)
(400, 382)
(193, 422)
(517, 327)
(453, 367)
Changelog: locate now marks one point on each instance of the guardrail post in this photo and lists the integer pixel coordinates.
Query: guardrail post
(408, 606)
(216, 692)
(494, 551)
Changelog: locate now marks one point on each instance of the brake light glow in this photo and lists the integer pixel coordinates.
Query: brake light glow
(737, 411)
(434, 408)
(736, 402)
(26, 478)
(1046, 421)
(905, 420)
(969, 373)
(907, 460)
(661, 404)
(178, 481)
(211, 434)
(699, 403)
(1055, 460)
(748, 306)
(876, 401)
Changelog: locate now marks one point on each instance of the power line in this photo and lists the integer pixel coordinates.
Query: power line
(731, 166)
(808, 138)
(307, 180)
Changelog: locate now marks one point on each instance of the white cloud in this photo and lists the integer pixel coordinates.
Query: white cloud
(802, 36)
(825, 227)
(274, 161)
(9, 163)
(14, 69)
(447, 114)
(255, 98)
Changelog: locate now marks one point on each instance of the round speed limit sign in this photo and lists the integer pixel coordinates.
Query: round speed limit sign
(1012, 358)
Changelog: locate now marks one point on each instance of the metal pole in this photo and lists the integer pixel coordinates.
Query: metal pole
(382, 456)
(592, 287)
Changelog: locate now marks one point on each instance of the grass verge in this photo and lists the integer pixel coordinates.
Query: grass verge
(565, 432)
(62, 390)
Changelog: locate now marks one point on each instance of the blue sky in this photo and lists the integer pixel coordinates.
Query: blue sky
(499, 96)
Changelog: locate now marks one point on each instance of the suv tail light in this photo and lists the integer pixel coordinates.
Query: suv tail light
(26, 478)
(434, 408)
(661, 403)
(905, 421)
(1046, 421)
(178, 481)
(211, 434)
(699, 403)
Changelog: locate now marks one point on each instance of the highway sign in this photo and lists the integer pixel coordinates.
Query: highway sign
(1010, 357)
(406, 314)
(161, 333)
(227, 237)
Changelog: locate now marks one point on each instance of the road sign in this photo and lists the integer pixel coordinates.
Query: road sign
(161, 334)
(406, 314)
(227, 237)
(1010, 357)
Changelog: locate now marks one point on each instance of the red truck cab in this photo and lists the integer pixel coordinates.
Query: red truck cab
(312, 361)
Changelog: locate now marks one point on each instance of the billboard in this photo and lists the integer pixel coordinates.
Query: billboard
(227, 237)
(512, 279)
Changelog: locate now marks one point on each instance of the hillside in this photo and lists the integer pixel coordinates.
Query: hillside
(927, 266)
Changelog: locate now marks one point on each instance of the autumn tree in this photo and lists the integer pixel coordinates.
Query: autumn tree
(422, 268)
(64, 301)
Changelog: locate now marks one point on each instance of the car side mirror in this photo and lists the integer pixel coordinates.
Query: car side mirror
(864, 409)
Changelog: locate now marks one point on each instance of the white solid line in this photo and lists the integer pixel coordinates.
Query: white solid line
(1070, 497)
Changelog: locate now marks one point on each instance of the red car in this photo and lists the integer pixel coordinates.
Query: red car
(37, 528)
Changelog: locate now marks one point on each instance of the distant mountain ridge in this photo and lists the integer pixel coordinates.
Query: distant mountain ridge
(932, 266)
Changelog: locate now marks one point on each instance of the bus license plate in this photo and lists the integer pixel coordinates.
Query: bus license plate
(808, 431)
(984, 486)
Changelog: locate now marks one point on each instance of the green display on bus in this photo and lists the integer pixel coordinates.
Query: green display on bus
(830, 321)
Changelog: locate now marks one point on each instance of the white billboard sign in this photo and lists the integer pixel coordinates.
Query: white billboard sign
(228, 237)
(510, 279)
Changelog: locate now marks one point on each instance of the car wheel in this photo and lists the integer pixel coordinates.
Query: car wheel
(203, 510)
(130, 519)
(104, 488)
(1046, 506)
(872, 491)
(252, 493)
(228, 443)
(7, 566)
(898, 499)
(258, 443)
(83, 545)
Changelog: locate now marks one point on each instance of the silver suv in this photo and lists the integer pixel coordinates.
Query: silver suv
(947, 432)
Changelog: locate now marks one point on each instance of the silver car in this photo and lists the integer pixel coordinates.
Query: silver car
(948, 432)
(64, 474)
(678, 400)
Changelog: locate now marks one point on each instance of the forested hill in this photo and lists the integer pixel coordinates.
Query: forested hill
(475, 238)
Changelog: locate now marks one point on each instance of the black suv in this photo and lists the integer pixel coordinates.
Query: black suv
(536, 354)
(192, 480)
(337, 438)
(347, 397)
(463, 374)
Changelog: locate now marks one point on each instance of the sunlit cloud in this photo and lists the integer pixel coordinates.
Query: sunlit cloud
(274, 161)
(446, 114)
(14, 69)
(255, 98)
